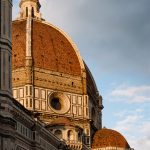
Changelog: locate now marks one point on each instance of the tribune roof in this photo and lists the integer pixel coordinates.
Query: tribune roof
(109, 138)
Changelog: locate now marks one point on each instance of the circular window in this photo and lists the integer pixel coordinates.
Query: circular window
(55, 103)
(59, 103)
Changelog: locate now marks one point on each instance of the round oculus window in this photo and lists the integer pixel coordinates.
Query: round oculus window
(56, 104)
(59, 103)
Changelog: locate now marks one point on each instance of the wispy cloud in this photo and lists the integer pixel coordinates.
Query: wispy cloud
(136, 128)
(131, 94)
(127, 121)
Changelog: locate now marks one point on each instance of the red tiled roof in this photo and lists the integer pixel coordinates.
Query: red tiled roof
(18, 44)
(51, 50)
(109, 138)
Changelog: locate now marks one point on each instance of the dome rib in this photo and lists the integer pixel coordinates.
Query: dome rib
(52, 49)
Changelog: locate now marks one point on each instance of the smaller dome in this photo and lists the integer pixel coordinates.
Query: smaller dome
(109, 138)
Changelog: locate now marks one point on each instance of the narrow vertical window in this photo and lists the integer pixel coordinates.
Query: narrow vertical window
(30, 90)
(87, 140)
(70, 135)
(26, 102)
(26, 90)
(26, 11)
(79, 136)
(30, 102)
(32, 12)
(87, 112)
(86, 100)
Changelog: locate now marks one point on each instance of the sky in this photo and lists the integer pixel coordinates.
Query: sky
(113, 37)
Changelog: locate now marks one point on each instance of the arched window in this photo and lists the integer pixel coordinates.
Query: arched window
(70, 135)
(26, 11)
(79, 136)
(58, 133)
(32, 12)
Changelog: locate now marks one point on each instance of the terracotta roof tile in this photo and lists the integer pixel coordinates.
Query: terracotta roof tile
(109, 138)
(51, 49)
(18, 44)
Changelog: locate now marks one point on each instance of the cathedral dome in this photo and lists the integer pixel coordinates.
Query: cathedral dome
(49, 75)
(109, 138)
(51, 48)
(40, 49)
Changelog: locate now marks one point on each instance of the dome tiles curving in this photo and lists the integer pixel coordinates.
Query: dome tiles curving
(109, 138)
(18, 44)
(51, 49)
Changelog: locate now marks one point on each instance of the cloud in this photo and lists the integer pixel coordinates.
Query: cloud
(136, 128)
(131, 94)
(128, 120)
(139, 143)
(143, 138)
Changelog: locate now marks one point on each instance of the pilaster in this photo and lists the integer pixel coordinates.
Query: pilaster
(29, 69)
(7, 123)
(29, 64)
(5, 47)
(5, 58)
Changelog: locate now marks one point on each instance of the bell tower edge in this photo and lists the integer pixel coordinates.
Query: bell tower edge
(5, 47)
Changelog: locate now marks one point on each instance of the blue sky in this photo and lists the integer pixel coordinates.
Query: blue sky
(113, 37)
